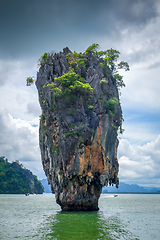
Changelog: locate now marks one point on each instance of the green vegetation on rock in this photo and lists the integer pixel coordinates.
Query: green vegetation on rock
(43, 58)
(30, 81)
(110, 106)
(72, 87)
(54, 149)
(14, 178)
(76, 60)
(109, 62)
(92, 49)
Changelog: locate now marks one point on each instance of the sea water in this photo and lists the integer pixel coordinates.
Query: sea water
(128, 216)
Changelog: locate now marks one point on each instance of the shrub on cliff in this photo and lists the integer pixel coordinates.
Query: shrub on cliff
(43, 58)
(110, 106)
(92, 49)
(72, 87)
(109, 62)
(76, 60)
(30, 81)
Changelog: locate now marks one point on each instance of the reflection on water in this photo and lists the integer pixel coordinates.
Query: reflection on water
(85, 225)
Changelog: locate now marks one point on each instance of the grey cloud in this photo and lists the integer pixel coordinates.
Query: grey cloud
(136, 13)
(154, 65)
(6, 71)
(148, 49)
(32, 27)
(13, 72)
(33, 108)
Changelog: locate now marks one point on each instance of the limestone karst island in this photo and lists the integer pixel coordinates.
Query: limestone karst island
(81, 117)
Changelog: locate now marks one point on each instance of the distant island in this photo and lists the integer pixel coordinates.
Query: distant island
(15, 179)
(123, 188)
(130, 188)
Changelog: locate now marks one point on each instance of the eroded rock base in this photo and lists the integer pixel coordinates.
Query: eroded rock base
(80, 208)
(79, 197)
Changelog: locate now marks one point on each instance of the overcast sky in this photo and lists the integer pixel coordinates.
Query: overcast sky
(30, 28)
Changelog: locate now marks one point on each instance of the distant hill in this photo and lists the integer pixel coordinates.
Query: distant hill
(123, 187)
(16, 179)
(46, 186)
(129, 188)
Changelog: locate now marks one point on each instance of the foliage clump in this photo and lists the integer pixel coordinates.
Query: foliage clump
(55, 149)
(103, 81)
(30, 81)
(72, 87)
(110, 106)
(74, 133)
(43, 58)
(109, 62)
(92, 49)
(76, 60)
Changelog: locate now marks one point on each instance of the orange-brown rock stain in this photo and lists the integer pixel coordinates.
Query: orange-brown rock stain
(72, 159)
(84, 159)
(115, 150)
(55, 138)
(92, 156)
(96, 152)
(97, 160)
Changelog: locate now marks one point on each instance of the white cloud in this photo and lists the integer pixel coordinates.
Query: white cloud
(13, 72)
(140, 164)
(19, 100)
(33, 108)
(19, 141)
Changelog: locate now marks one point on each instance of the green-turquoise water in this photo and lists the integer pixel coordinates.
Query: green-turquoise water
(128, 216)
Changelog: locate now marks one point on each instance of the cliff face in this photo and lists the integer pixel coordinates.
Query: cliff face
(78, 128)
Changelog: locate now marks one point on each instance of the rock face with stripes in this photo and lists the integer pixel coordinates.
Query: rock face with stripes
(78, 128)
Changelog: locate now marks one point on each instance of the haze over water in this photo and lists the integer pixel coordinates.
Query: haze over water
(128, 216)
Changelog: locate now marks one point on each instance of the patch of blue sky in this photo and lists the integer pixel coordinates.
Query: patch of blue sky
(141, 116)
(140, 127)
